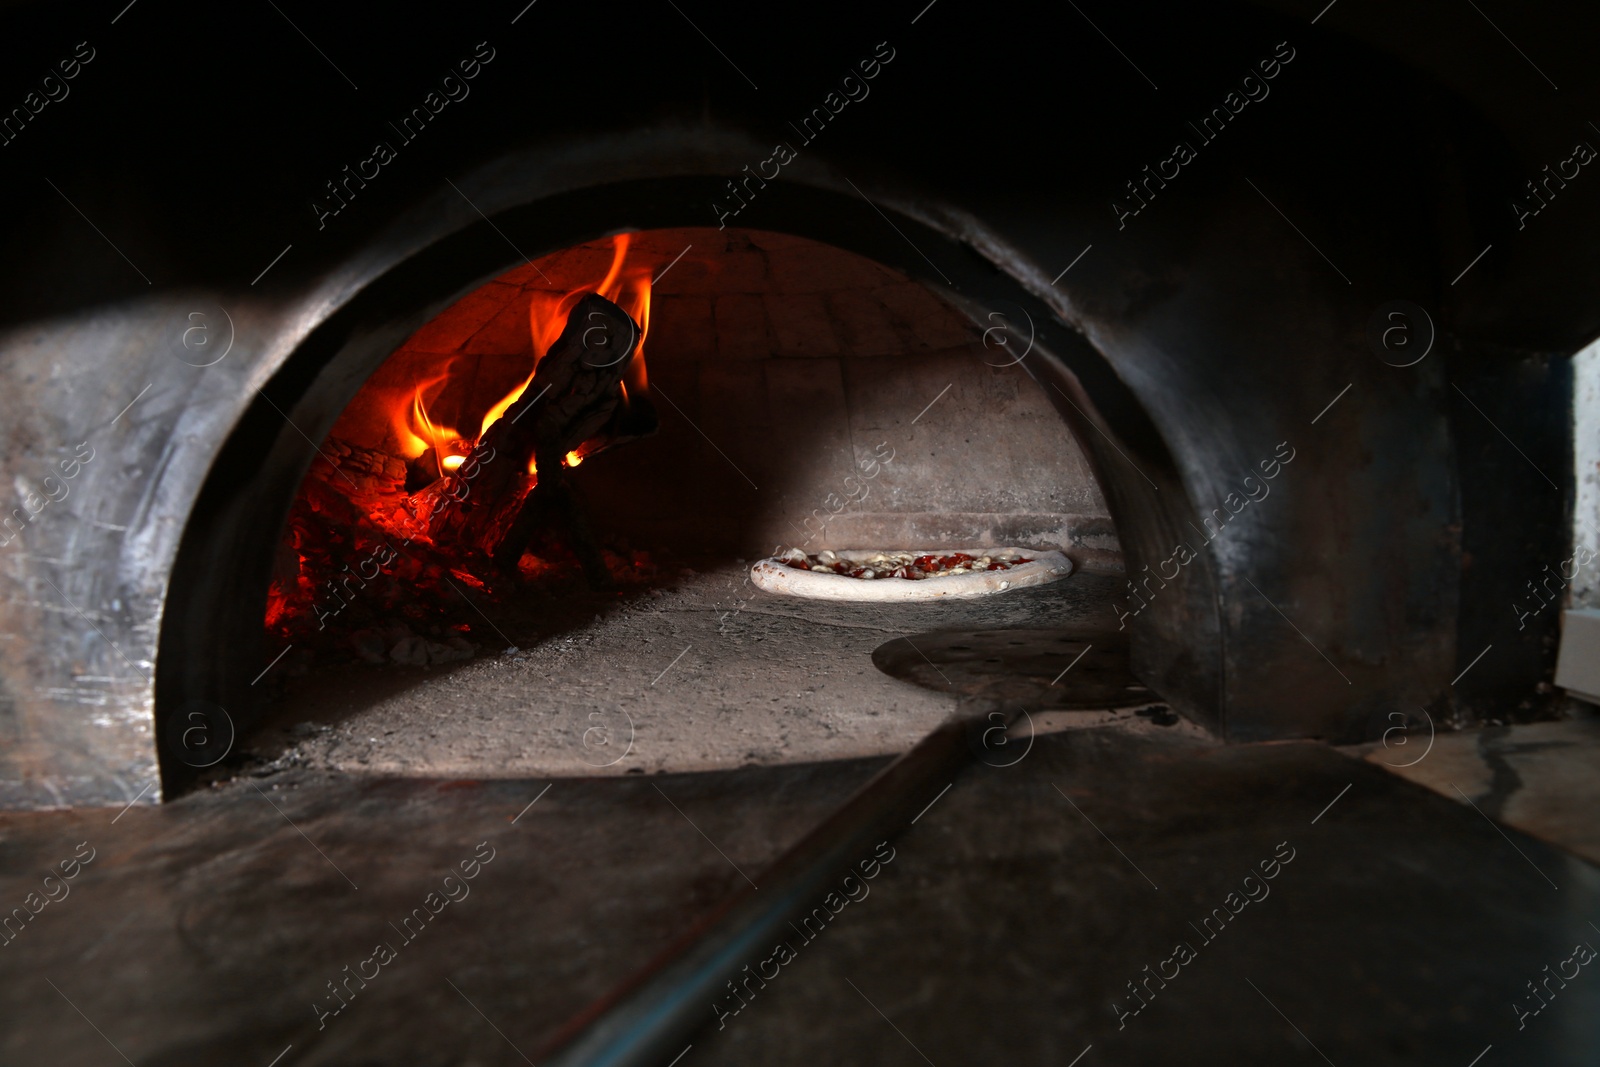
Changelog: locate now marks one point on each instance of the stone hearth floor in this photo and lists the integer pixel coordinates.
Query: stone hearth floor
(1402, 929)
(779, 680)
(1541, 777)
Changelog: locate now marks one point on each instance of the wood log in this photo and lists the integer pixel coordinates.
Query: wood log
(576, 397)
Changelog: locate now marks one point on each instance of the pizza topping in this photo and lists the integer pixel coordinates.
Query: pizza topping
(900, 564)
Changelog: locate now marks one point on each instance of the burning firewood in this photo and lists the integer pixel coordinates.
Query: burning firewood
(576, 403)
(407, 521)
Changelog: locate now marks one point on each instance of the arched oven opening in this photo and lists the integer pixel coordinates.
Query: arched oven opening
(419, 565)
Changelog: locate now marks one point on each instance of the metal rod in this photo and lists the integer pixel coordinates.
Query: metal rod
(650, 1017)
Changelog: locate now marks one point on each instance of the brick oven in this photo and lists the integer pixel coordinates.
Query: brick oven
(434, 441)
(784, 395)
(1114, 396)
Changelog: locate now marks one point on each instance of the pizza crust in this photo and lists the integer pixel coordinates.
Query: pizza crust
(775, 576)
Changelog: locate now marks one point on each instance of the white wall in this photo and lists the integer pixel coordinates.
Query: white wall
(1586, 462)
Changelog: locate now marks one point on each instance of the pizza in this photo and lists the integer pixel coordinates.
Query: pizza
(899, 564)
(924, 574)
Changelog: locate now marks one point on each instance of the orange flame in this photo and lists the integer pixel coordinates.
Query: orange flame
(627, 287)
(418, 431)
